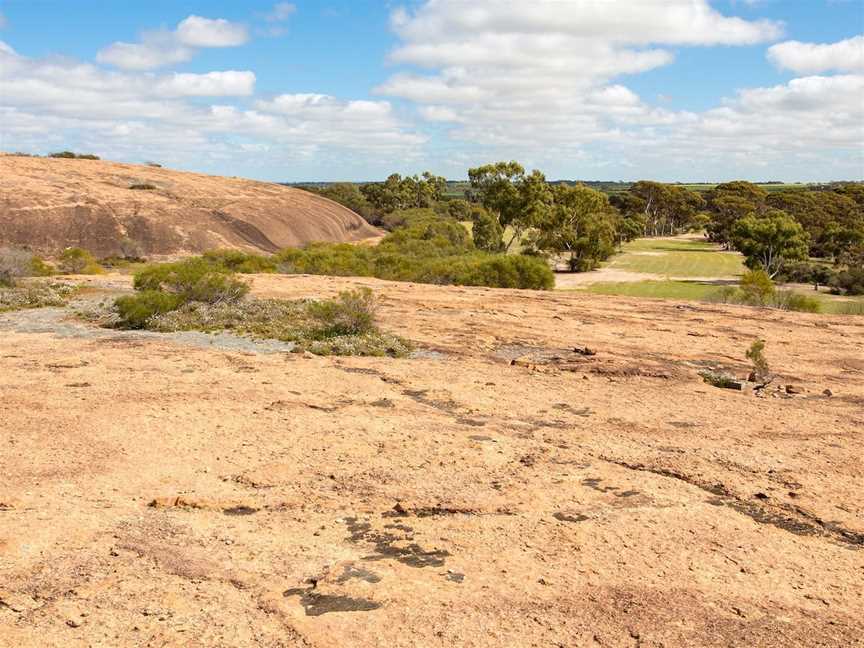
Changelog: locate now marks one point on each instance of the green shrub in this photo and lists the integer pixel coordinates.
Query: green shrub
(781, 299)
(136, 311)
(341, 326)
(351, 313)
(756, 355)
(144, 186)
(69, 155)
(428, 236)
(792, 301)
(195, 279)
(76, 260)
(420, 261)
(242, 262)
(757, 287)
(849, 281)
(726, 295)
(38, 268)
(817, 274)
(497, 270)
(336, 259)
(720, 379)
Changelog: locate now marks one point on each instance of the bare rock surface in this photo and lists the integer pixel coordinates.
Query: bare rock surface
(503, 488)
(48, 204)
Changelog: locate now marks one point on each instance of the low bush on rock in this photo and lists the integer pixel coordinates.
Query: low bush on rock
(75, 260)
(37, 295)
(720, 379)
(69, 155)
(195, 279)
(137, 310)
(238, 261)
(200, 294)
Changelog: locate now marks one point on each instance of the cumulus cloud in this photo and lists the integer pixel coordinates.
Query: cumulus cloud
(548, 51)
(499, 66)
(196, 31)
(546, 81)
(158, 48)
(188, 119)
(807, 58)
(211, 84)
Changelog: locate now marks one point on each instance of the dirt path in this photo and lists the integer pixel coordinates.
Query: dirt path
(501, 491)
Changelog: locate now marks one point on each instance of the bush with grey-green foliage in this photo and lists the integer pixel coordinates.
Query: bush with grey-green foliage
(425, 249)
(16, 263)
(757, 289)
(204, 294)
(36, 295)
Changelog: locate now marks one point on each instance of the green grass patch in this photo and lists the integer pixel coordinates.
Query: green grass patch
(707, 291)
(688, 290)
(677, 258)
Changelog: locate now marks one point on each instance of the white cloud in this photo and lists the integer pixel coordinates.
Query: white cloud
(158, 48)
(212, 84)
(196, 31)
(542, 81)
(691, 22)
(281, 11)
(807, 58)
(59, 103)
(6, 49)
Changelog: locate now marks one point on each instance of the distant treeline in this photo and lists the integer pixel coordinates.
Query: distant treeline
(805, 232)
(460, 188)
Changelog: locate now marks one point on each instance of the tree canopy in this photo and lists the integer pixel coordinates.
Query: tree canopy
(770, 240)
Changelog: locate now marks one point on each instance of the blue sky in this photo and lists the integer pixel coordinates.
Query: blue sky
(328, 90)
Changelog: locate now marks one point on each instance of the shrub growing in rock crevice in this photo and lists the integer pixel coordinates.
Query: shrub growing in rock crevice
(194, 279)
(203, 295)
(75, 260)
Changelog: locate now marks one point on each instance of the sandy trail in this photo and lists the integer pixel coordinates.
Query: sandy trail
(450, 500)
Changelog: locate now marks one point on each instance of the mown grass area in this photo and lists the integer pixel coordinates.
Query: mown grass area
(677, 258)
(703, 291)
(692, 290)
